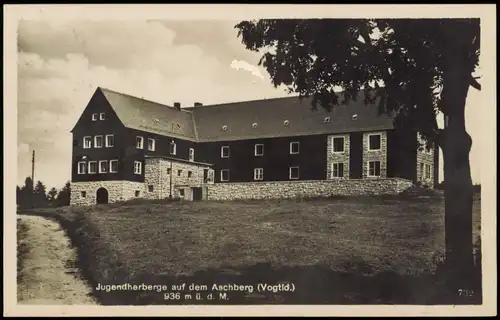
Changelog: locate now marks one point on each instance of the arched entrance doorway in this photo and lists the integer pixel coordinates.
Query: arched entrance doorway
(102, 196)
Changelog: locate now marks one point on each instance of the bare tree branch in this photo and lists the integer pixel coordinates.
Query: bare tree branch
(473, 82)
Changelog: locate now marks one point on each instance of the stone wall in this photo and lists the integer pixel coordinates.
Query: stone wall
(118, 190)
(157, 177)
(337, 157)
(375, 155)
(319, 188)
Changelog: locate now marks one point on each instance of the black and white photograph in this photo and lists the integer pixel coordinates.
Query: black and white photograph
(181, 157)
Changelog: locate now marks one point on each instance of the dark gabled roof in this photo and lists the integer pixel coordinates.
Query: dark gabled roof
(247, 119)
(149, 116)
(266, 118)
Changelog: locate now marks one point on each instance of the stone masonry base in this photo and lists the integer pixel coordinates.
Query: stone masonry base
(84, 193)
(117, 191)
(296, 189)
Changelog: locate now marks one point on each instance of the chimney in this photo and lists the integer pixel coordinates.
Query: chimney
(177, 105)
(198, 104)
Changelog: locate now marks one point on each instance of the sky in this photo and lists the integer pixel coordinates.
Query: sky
(61, 63)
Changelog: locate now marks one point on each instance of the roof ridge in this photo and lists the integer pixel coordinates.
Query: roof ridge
(245, 101)
(135, 97)
(262, 100)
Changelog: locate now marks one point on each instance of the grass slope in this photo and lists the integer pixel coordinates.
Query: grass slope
(340, 251)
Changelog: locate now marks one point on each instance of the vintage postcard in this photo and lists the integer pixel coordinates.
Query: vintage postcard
(250, 160)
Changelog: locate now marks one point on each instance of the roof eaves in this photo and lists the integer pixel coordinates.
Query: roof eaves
(296, 134)
(159, 132)
(178, 160)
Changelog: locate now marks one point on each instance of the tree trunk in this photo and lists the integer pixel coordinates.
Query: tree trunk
(458, 188)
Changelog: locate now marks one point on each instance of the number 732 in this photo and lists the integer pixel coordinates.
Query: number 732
(465, 292)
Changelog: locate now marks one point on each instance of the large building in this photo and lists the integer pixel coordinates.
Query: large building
(126, 147)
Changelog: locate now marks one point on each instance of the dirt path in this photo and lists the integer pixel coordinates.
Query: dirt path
(47, 274)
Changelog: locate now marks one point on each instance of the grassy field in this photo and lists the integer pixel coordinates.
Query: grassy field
(352, 250)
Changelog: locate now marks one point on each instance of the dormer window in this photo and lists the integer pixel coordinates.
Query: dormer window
(102, 116)
(286, 123)
(224, 128)
(94, 116)
(327, 119)
(254, 125)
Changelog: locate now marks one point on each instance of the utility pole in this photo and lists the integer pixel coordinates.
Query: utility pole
(171, 163)
(171, 167)
(33, 171)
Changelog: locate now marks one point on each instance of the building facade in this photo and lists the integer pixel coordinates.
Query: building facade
(125, 147)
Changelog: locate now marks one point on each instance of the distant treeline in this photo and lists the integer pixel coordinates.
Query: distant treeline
(37, 196)
(477, 187)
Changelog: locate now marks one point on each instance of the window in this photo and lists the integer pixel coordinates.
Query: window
(139, 142)
(327, 119)
(103, 166)
(179, 173)
(181, 192)
(190, 174)
(151, 144)
(87, 142)
(169, 170)
(224, 152)
(98, 142)
(102, 116)
(254, 125)
(113, 166)
(92, 167)
(286, 123)
(224, 175)
(293, 173)
(258, 174)
(259, 149)
(224, 128)
(173, 148)
(191, 154)
(294, 147)
(137, 193)
(338, 170)
(94, 116)
(338, 144)
(137, 167)
(427, 171)
(374, 168)
(354, 117)
(374, 142)
(81, 167)
(83, 194)
(110, 140)
(422, 171)
(151, 188)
